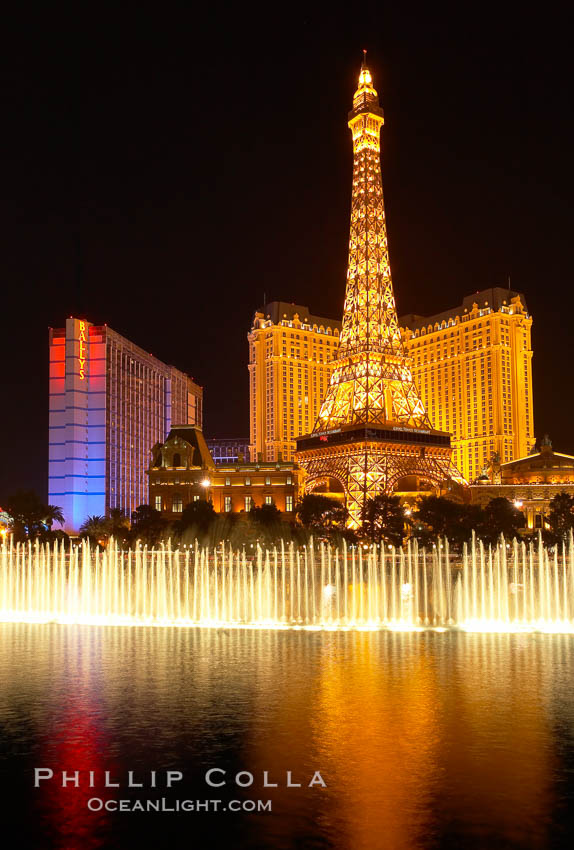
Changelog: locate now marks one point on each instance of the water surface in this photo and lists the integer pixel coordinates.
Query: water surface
(424, 740)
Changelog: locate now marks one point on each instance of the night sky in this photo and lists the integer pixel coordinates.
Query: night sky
(162, 172)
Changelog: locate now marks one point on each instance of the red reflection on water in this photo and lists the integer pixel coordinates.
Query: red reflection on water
(75, 745)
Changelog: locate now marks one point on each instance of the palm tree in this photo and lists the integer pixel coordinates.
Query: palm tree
(53, 513)
(95, 526)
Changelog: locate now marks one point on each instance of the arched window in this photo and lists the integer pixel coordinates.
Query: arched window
(176, 460)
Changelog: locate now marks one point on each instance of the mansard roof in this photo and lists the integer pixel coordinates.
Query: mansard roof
(193, 436)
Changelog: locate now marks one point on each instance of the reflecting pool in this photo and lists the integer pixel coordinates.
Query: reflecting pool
(423, 739)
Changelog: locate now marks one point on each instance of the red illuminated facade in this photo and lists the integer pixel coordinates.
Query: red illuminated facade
(110, 402)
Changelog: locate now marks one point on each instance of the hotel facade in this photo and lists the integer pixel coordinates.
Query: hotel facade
(472, 365)
(183, 471)
(530, 482)
(290, 366)
(110, 402)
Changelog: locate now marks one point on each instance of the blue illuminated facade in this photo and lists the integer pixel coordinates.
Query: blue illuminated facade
(110, 402)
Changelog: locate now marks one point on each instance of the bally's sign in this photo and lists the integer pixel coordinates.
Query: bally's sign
(82, 350)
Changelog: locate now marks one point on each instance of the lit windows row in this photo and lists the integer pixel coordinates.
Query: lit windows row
(248, 503)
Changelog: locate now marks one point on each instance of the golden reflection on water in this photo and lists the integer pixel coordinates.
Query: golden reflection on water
(418, 736)
(497, 755)
(377, 732)
(412, 731)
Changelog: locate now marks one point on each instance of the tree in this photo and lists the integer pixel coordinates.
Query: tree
(266, 515)
(31, 516)
(561, 515)
(148, 525)
(52, 535)
(197, 517)
(421, 533)
(27, 511)
(471, 518)
(501, 517)
(438, 516)
(95, 527)
(53, 513)
(266, 523)
(320, 514)
(118, 525)
(384, 520)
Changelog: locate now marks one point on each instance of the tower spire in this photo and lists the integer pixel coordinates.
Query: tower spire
(372, 381)
(372, 430)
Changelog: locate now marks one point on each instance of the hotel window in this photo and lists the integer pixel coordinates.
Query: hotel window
(268, 479)
(248, 503)
(227, 482)
(268, 500)
(288, 503)
(247, 482)
(196, 498)
(158, 503)
(177, 504)
(227, 505)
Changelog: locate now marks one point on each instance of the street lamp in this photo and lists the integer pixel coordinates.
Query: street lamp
(206, 483)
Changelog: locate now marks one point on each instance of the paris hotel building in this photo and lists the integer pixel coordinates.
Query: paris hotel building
(290, 354)
(472, 365)
(110, 402)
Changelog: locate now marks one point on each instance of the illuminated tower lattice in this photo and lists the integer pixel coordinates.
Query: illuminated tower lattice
(373, 431)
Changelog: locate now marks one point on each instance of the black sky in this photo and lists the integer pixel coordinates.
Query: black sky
(164, 169)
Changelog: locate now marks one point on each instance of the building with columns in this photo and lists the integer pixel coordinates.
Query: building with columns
(530, 482)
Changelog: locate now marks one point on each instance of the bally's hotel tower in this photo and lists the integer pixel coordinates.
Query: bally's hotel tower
(110, 402)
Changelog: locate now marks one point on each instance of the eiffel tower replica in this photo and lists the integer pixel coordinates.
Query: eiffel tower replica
(373, 430)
